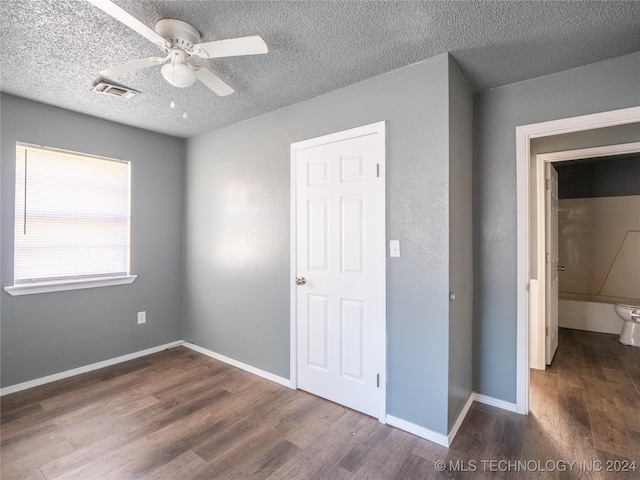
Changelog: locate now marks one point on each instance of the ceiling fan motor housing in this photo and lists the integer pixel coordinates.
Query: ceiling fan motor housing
(178, 33)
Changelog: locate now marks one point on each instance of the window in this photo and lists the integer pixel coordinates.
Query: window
(72, 221)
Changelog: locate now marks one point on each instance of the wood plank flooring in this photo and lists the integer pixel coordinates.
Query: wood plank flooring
(179, 415)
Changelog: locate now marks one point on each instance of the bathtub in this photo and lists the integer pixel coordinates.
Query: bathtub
(591, 314)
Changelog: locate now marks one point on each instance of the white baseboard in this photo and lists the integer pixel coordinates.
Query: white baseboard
(460, 419)
(494, 402)
(418, 430)
(87, 368)
(243, 366)
(538, 366)
(435, 437)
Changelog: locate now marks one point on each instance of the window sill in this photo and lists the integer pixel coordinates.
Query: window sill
(30, 289)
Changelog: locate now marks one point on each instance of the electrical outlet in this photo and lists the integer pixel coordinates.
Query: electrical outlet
(142, 317)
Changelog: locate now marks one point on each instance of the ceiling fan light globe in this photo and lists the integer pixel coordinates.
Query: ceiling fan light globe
(178, 74)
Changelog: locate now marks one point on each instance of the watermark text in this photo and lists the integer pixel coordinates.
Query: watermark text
(537, 466)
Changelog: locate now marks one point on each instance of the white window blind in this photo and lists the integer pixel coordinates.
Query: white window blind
(72, 216)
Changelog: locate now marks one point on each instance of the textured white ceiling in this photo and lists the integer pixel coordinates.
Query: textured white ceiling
(53, 50)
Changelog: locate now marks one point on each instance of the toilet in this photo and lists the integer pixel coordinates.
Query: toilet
(630, 334)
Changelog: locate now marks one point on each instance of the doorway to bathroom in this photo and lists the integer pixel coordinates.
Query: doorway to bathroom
(527, 285)
(586, 239)
(593, 379)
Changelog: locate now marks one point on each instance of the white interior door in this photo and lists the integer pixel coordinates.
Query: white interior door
(339, 269)
(552, 264)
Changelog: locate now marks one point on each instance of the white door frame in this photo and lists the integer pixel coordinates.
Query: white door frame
(374, 128)
(524, 135)
(538, 322)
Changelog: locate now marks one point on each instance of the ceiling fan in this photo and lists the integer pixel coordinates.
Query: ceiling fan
(180, 41)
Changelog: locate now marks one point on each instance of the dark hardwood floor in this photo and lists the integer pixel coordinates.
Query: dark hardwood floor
(179, 415)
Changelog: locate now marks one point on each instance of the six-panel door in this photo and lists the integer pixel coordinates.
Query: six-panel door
(338, 254)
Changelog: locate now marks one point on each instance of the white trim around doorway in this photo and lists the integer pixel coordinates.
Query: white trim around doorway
(524, 134)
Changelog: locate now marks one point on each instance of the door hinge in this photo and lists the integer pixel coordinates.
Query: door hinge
(378, 170)
(548, 258)
(548, 183)
(546, 331)
(378, 380)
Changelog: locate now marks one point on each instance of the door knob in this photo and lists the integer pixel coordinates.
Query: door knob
(301, 280)
(560, 268)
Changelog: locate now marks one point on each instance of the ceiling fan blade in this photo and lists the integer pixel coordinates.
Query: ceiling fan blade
(212, 81)
(120, 70)
(253, 45)
(129, 20)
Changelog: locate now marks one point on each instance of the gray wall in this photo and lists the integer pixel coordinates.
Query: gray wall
(237, 231)
(460, 243)
(237, 244)
(603, 86)
(47, 333)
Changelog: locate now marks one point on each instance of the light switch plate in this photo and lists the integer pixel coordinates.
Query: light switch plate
(394, 248)
(142, 317)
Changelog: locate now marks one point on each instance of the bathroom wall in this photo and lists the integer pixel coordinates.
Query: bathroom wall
(599, 240)
(599, 229)
(599, 245)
